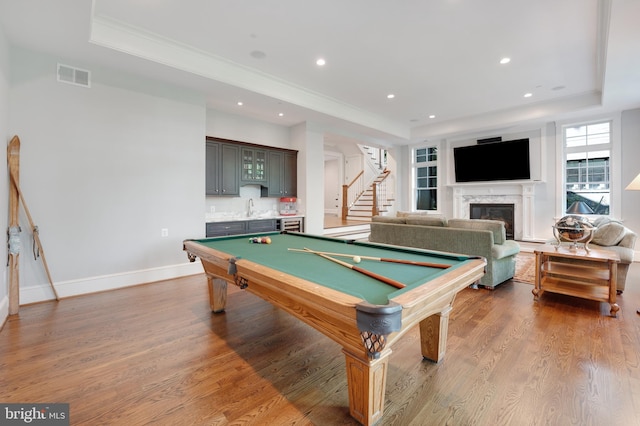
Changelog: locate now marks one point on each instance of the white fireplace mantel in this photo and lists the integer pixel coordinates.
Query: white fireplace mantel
(520, 194)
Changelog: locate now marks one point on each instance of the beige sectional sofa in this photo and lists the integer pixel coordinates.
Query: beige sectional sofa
(476, 237)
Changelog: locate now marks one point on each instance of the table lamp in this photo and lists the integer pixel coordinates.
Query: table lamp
(634, 185)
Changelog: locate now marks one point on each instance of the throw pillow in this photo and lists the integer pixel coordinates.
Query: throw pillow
(609, 234)
(600, 221)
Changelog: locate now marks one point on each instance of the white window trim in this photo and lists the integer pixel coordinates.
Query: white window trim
(439, 188)
(615, 162)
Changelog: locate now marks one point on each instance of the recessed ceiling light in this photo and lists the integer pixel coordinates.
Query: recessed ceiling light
(281, 114)
(391, 96)
(432, 116)
(240, 103)
(505, 60)
(320, 62)
(528, 95)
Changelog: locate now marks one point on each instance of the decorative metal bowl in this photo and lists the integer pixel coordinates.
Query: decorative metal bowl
(574, 229)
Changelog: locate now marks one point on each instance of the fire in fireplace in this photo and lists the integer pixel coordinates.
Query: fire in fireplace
(503, 212)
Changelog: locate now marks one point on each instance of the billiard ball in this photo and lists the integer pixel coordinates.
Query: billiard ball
(356, 259)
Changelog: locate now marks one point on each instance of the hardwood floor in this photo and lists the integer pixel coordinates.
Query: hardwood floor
(155, 354)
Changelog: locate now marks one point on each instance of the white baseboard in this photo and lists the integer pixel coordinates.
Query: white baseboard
(43, 292)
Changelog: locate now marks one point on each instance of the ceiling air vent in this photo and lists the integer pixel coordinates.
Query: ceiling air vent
(72, 75)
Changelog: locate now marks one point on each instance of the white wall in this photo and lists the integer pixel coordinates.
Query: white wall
(630, 133)
(243, 129)
(4, 191)
(309, 141)
(103, 170)
(333, 183)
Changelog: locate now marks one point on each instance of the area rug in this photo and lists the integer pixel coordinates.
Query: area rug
(525, 268)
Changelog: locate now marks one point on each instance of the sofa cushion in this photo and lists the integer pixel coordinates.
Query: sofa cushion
(388, 219)
(626, 254)
(426, 220)
(405, 214)
(495, 226)
(609, 234)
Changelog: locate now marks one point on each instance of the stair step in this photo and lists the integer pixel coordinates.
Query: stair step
(362, 208)
(361, 215)
(351, 232)
(369, 207)
(368, 203)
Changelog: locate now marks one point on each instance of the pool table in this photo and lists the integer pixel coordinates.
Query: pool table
(363, 314)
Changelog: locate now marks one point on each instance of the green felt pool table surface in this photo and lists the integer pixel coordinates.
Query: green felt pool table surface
(363, 314)
(319, 270)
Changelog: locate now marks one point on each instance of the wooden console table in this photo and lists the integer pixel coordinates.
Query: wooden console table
(576, 272)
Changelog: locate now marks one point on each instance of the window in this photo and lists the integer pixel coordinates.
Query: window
(587, 150)
(425, 167)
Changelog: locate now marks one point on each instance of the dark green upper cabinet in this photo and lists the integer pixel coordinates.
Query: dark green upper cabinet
(282, 176)
(222, 163)
(231, 164)
(290, 174)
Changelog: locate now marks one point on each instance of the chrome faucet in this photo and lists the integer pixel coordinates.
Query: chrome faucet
(250, 209)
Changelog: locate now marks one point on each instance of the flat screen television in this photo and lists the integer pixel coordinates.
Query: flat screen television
(507, 160)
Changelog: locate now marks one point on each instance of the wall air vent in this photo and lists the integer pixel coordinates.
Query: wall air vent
(72, 75)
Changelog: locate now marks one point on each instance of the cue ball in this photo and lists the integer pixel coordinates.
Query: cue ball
(356, 259)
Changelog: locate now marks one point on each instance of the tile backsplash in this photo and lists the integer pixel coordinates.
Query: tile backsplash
(235, 206)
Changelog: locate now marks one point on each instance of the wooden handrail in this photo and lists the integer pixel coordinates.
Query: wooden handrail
(350, 196)
(345, 194)
(355, 179)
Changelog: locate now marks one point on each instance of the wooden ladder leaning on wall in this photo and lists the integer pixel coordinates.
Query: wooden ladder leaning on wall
(13, 233)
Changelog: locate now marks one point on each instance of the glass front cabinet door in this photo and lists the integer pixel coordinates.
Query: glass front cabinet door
(254, 165)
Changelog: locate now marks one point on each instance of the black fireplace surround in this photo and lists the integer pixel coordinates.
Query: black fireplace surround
(503, 212)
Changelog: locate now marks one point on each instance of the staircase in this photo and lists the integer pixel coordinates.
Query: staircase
(362, 209)
(350, 232)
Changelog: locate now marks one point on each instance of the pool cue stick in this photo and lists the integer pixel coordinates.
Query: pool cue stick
(36, 235)
(380, 259)
(362, 271)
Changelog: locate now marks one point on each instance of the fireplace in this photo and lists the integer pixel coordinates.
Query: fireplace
(503, 212)
(521, 195)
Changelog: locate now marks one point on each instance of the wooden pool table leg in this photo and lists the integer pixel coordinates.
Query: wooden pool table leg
(217, 293)
(366, 380)
(433, 335)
